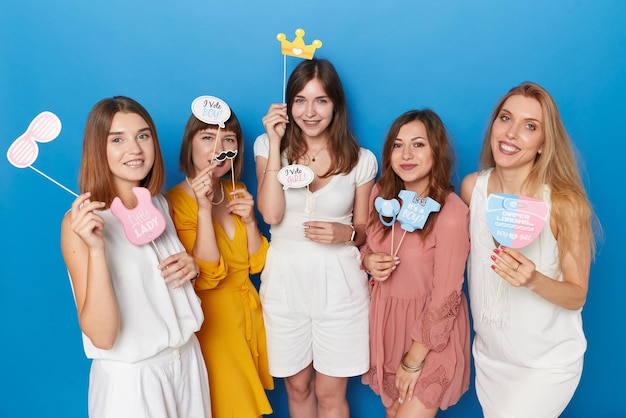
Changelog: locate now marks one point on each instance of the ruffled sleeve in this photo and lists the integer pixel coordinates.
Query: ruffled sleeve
(452, 247)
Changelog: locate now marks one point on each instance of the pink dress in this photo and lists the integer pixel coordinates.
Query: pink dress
(422, 301)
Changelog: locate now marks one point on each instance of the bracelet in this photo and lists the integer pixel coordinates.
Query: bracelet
(410, 369)
(265, 171)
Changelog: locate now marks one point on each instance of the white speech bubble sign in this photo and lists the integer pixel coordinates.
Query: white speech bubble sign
(211, 110)
(295, 176)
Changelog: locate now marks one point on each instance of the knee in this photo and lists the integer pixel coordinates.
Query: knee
(330, 397)
(299, 390)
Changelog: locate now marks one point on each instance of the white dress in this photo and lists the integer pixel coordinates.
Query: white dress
(155, 368)
(528, 352)
(314, 296)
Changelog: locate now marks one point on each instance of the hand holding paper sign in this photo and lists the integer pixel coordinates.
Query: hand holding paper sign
(142, 224)
(515, 221)
(412, 215)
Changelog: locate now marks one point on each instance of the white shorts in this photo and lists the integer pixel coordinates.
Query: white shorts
(315, 309)
(171, 384)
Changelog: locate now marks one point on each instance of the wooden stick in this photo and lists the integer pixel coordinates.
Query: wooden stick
(400, 243)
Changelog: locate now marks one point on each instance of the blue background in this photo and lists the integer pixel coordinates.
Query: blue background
(456, 57)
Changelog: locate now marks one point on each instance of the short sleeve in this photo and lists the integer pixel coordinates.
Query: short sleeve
(261, 146)
(366, 168)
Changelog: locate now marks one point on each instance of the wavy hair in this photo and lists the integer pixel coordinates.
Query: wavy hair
(555, 167)
(439, 183)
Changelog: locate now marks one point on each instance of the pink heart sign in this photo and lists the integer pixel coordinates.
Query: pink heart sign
(142, 224)
(515, 221)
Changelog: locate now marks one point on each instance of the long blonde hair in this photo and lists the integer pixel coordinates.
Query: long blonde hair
(556, 167)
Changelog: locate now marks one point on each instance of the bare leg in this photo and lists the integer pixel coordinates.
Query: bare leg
(411, 409)
(301, 394)
(331, 396)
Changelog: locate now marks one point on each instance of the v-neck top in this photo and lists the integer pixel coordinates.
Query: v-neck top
(331, 203)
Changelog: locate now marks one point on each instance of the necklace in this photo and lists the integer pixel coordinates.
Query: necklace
(318, 151)
(212, 202)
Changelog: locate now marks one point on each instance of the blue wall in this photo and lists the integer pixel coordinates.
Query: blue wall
(457, 57)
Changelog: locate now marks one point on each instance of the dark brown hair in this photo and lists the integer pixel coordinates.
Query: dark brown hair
(343, 146)
(390, 184)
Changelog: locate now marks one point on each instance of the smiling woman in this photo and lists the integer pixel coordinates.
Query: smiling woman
(527, 302)
(137, 312)
(222, 235)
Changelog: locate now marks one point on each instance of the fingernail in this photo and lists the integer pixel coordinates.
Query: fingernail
(493, 267)
(496, 251)
(503, 247)
(493, 257)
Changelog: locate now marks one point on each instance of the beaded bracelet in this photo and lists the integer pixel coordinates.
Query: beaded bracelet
(410, 369)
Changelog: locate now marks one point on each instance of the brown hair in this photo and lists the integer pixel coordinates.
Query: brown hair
(343, 146)
(555, 166)
(439, 183)
(195, 125)
(95, 175)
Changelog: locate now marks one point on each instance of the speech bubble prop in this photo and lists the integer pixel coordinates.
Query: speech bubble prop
(211, 110)
(515, 221)
(142, 224)
(295, 176)
(23, 152)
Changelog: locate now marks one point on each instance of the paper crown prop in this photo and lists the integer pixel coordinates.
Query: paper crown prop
(297, 48)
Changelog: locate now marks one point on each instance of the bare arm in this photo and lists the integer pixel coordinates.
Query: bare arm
(467, 187)
(270, 194)
(335, 232)
(243, 205)
(205, 244)
(83, 250)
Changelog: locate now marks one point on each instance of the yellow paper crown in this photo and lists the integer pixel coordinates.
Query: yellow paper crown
(297, 48)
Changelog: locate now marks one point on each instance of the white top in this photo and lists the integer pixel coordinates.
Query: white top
(153, 315)
(331, 203)
(524, 346)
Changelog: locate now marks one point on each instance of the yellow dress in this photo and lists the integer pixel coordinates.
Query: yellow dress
(232, 336)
